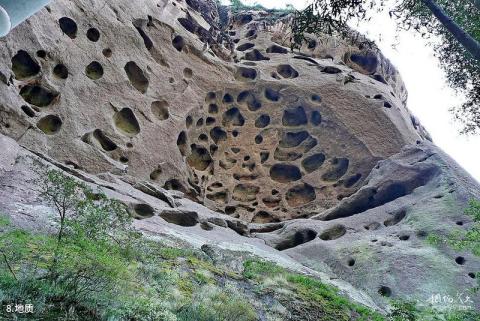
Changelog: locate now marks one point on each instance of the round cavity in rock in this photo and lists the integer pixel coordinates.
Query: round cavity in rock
(229, 210)
(213, 108)
(293, 139)
(351, 262)
(136, 76)
(23, 66)
(245, 193)
(107, 52)
(227, 99)
(244, 73)
(331, 70)
(294, 116)
(245, 46)
(28, 111)
(189, 24)
(210, 121)
(385, 291)
(143, 211)
(272, 94)
(182, 143)
(160, 109)
(50, 124)
(178, 43)
(287, 71)
(298, 238)
(187, 73)
(218, 134)
(333, 232)
(68, 26)
(93, 34)
(316, 118)
(206, 226)
(368, 62)
(314, 162)
(255, 55)
(338, 168)
(233, 117)
(211, 96)
(285, 173)
(181, 218)
(372, 226)
(404, 237)
(277, 49)
(199, 158)
(264, 156)
(263, 217)
(126, 122)
(472, 275)
(460, 260)
(300, 195)
(251, 33)
(460, 223)
(316, 98)
(262, 121)
(155, 174)
(105, 142)
(42, 54)
(94, 70)
(352, 180)
(188, 121)
(258, 139)
(37, 95)
(60, 71)
(396, 218)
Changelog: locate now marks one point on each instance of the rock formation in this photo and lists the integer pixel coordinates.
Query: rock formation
(212, 130)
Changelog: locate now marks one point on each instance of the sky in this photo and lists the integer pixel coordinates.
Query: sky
(430, 98)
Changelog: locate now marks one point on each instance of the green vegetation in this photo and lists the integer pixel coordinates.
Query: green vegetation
(97, 267)
(463, 240)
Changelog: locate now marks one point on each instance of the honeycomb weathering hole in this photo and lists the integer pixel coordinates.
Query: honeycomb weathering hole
(23, 65)
(253, 153)
(126, 122)
(94, 70)
(68, 26)
(160, 109)
(38, 95)
(50, 124)
(136, 76)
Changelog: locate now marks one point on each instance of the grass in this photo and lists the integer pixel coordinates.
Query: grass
(81, 273)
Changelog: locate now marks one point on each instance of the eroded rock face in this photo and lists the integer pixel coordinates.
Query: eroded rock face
(218, 108)
(312, 152)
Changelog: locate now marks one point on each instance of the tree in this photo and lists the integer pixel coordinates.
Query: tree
(455, 23)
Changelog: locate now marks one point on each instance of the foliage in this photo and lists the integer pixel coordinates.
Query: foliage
(212, 304)
(307, 293)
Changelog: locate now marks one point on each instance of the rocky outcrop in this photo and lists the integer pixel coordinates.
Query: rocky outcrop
(211, 130)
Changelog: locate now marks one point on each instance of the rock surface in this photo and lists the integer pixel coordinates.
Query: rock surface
(214, 133)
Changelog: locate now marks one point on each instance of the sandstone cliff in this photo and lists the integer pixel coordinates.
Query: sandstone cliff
(214, 132)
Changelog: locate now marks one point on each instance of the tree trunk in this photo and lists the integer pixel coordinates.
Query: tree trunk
(467, 41)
